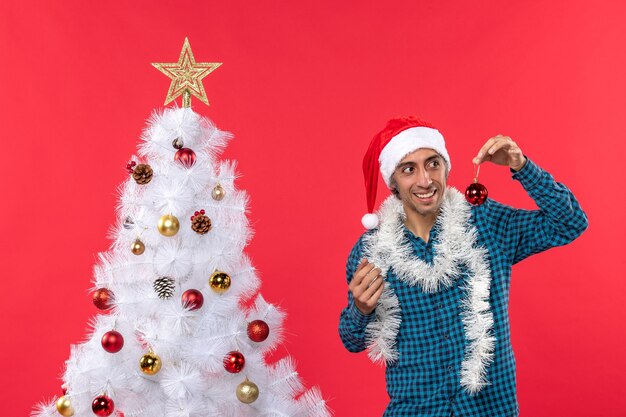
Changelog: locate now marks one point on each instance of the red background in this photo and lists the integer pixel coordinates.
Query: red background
(304, 86)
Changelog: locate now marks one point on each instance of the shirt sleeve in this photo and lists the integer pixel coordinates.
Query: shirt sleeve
(558, 221)
(352, 322)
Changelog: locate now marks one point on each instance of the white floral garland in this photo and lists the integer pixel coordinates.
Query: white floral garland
(388, 248)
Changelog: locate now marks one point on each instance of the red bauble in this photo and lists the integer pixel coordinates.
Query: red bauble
(103, 298)
(102, 406)
(476, 193)
(258, 330)
(192, 299)
(112, 341)
(234, 362)
(185, 156)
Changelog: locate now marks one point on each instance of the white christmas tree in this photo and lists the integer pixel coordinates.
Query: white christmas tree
(175, 339)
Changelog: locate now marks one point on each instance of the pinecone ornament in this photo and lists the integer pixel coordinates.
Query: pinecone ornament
(200, 223)
(164, 287)
(142, 174)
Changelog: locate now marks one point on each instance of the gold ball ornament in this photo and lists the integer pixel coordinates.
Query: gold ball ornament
(138, 247)
(150, 363)
(64, 407)
(218, 193)
(247, 392)
(219, 282)
(168, 225)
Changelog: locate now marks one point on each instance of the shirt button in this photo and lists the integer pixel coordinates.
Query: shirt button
(446, 336)
(450, 368)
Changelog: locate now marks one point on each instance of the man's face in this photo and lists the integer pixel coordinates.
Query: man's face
(420, 179)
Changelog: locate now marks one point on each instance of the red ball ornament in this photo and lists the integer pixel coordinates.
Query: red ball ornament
(234, 362)
(102, 406)
(258, 330)
(476, 193)
(112, 341)
(192, 299)
(185, 156)
(103, 298)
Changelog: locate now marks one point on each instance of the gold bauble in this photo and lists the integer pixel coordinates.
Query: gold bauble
(219, 282)
(138, 247)
(218, 193)
(168, 225)
(247, 392)
(150, 363)
(64, 407)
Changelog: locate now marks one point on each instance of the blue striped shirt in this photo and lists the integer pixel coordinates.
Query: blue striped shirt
(425, 380)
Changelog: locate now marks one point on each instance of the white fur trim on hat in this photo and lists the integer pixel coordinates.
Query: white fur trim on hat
(407, 141)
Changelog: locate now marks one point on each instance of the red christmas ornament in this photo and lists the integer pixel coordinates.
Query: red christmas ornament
(258, 330)
(103, 298)
(185, 156)
(476, 193)
(192, 299)
(112, 341)
(102, 406)
(234, 362)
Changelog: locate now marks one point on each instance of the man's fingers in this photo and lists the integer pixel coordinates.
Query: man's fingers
(359, 274)
(500, 144)
(372, 287)
(491, 147)
(480, 157)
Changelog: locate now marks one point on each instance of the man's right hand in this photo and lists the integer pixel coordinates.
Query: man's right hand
(366, 286)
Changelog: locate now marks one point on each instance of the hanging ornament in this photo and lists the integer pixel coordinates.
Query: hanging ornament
(219, 282)
(102, 406)
(247, 392)
(258, 330)
(138, 247)
(234, 362)
(130, 166)
(164, 287)
(218, 193)
(129, 223)
(150, 363)
(476, 193)
(103, 298)
(168, 225)
(192, 299)
(112, 341)
(142, 174)
(200, 223)
(177, 143)
(64, 406)
(185, 156)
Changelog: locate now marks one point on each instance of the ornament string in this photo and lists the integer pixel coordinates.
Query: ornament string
(476, 172)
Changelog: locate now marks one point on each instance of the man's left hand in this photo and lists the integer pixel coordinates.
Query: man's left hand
(501, 150)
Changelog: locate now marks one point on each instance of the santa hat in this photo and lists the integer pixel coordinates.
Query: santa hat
(399, 138)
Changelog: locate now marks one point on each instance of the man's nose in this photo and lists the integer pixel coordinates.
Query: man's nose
(423, 178)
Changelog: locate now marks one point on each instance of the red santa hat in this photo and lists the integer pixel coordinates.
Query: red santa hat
(399, 138)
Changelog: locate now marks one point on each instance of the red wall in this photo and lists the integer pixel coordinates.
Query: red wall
(304, 86)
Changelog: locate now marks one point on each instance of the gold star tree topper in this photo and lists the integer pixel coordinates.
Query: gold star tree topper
(186, 76)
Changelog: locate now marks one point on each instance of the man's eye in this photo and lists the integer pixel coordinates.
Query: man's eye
(434, 164)
(407, 170)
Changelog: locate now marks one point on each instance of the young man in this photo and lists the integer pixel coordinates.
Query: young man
(429, 283)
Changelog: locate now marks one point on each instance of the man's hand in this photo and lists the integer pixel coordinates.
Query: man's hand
(501, 150)
(366, 286)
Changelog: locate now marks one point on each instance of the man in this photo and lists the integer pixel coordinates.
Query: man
(429, 283)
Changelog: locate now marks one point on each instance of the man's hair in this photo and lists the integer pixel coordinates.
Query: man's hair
(393, 184)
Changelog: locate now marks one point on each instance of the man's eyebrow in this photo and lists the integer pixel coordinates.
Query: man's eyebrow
(433, 157)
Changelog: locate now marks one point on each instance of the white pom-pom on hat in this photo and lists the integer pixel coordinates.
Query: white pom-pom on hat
(370, 221)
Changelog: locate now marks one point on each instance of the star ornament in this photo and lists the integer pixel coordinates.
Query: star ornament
(186, 75)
